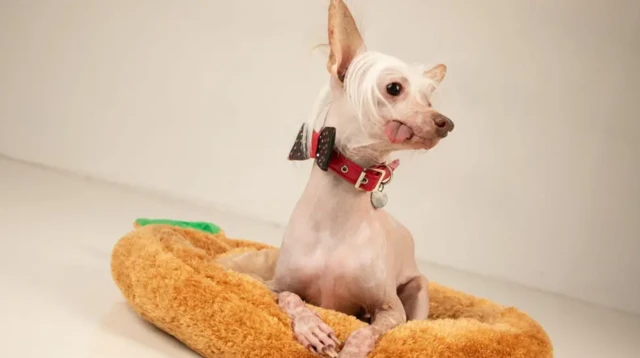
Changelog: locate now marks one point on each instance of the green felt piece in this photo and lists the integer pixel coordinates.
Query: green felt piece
(197, 225)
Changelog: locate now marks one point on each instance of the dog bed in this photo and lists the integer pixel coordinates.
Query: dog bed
(166, 272)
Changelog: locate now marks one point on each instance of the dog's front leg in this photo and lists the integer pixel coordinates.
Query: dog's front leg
(361, 342)
(307, 326)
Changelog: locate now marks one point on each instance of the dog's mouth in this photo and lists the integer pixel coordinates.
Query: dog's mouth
(398, 132)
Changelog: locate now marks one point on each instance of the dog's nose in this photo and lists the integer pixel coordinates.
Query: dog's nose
(443, 125)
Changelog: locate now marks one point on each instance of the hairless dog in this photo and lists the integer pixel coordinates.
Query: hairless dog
(341, 250)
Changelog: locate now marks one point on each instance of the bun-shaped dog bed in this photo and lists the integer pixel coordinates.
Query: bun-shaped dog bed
(166, 272)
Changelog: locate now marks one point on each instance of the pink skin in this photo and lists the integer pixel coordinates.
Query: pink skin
(338, 252)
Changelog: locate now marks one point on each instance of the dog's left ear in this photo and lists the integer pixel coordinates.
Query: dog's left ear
(345, 40)
(436, 74)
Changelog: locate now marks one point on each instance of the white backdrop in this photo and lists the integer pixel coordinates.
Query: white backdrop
(539, 183)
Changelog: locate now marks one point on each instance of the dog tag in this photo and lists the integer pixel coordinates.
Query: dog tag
(379, 198)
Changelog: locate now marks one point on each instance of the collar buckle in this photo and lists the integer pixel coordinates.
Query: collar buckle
(363, 180)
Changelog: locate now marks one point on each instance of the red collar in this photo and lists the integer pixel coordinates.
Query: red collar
(366, 179)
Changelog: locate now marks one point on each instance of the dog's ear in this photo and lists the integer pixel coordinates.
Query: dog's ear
(344, 39)
(436, 74)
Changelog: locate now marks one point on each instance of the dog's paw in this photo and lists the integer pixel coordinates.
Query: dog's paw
(314, 334)
(360, 343)
(308, 327)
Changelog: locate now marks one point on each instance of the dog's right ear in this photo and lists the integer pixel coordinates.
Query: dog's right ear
(345, 40)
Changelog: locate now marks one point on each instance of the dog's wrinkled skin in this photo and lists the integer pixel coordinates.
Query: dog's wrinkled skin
(338, 252)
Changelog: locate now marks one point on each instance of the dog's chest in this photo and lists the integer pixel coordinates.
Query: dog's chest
(338, 272)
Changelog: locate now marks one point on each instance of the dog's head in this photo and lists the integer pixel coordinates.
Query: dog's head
(380, 104)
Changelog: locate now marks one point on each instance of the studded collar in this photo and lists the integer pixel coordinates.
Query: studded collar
(369, 179)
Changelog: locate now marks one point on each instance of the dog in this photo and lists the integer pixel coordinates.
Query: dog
(341, 250)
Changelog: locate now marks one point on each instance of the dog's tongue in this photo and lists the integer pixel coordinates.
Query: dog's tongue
(397, 132)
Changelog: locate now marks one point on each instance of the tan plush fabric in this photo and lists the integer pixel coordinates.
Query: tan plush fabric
(168, 276)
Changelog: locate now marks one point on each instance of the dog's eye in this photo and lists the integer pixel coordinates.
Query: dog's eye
(394, 89)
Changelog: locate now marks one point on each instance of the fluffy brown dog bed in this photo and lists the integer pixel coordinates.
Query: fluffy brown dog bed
(168, 275)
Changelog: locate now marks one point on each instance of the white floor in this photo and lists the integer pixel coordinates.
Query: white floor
(58, 300)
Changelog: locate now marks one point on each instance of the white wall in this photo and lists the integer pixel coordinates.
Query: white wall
(539, 183)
